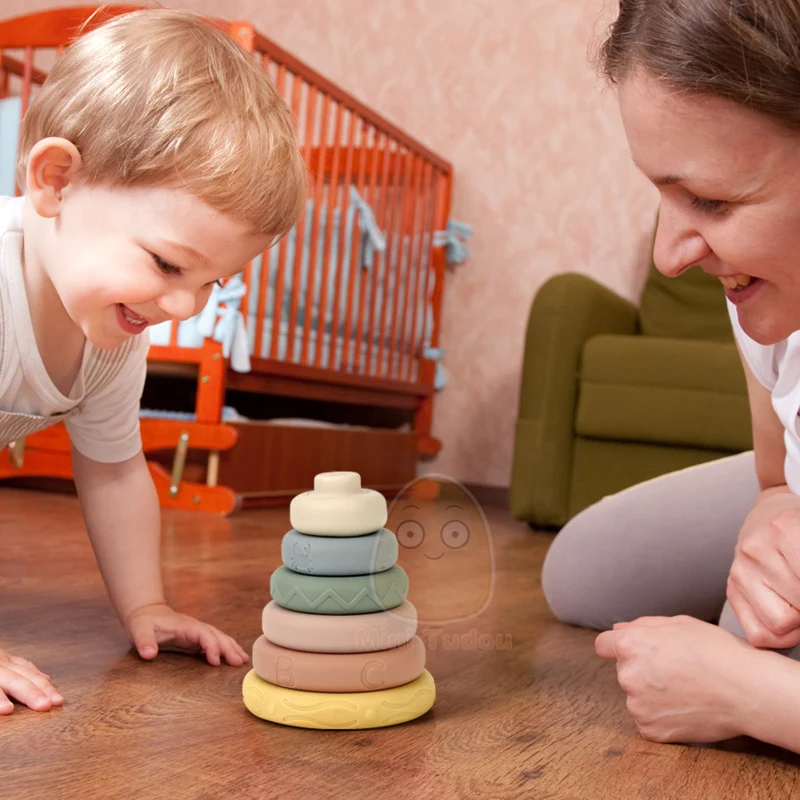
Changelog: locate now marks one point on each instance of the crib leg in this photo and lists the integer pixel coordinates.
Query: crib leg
(213, 469)
(178, 464)
(16, 453)
(427, 445)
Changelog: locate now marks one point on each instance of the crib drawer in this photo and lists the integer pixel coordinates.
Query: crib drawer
(271, 463)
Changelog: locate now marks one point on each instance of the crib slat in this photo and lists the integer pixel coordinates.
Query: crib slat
(280, 280)
(385, 221)
(27, 76)
(311, 104)
(333, 192)
(337, 292)
(409, 220)
(369, 342)
(397, 242)
(261, 308)
(358, 337)
(423, 262)
(355, 265)
(27, 87)
(312, 268)
(247, 277)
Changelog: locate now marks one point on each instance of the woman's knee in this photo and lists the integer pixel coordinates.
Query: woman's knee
(574, 593)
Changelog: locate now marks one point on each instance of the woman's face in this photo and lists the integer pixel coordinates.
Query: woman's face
(729, 180)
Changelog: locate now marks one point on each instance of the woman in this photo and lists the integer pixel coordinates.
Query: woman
(709, 93)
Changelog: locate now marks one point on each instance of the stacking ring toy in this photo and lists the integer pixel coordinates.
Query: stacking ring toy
(343, 711)
(353, 594)
(351, 633)
(339, 555)
(338, 506)
(346, 672)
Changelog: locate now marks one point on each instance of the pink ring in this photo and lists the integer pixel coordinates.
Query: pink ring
(346, 633)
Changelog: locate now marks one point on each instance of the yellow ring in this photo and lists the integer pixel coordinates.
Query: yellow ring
(338, 710)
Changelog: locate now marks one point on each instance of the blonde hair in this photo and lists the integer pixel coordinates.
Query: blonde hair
(161, 98)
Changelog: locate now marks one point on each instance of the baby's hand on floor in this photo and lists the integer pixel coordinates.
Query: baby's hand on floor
(24, 682)
(151, 627)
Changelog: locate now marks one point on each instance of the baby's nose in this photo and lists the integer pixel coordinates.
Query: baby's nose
(178, 304)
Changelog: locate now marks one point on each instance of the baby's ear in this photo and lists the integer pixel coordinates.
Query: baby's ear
(53, 164)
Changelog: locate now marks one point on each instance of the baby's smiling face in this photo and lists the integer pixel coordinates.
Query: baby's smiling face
(445, 547)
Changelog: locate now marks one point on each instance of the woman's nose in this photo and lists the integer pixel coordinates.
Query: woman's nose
(678, 246)
(178, 304)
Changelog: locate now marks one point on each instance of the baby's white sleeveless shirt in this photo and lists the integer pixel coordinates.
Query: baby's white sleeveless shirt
(101, 411)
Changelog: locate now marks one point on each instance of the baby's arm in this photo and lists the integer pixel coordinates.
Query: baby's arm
(121, 510)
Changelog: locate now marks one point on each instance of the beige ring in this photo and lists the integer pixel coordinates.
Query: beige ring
(338, 672)
(331, 633)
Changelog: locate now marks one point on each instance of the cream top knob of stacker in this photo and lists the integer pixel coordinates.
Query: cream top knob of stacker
(338, 506)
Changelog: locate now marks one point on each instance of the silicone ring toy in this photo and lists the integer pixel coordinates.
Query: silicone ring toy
(348, 672)
(338, 506)
(339, 555)
(354, 594)
(351, 633)
(342, 711)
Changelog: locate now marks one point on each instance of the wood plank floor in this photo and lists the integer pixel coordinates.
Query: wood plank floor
(542, 719)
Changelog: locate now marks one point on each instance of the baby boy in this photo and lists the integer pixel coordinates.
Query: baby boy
(156, 160)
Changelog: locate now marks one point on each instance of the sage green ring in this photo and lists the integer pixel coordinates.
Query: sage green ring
(350, 594)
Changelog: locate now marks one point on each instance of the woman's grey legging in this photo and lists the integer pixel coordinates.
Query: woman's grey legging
(660, 548)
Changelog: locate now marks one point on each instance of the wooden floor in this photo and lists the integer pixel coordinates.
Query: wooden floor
(542, 719)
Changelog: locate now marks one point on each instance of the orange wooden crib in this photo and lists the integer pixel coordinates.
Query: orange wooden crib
(345, 309)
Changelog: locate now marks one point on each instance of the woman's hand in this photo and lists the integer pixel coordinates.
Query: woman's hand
(157, 626)
(687, 681)
(24, 682)
(764, 581)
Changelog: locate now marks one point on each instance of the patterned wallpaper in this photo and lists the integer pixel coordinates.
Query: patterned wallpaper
(502, 89)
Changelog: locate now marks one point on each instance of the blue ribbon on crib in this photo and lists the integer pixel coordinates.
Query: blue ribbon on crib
(440, 376)
(452, 238)
(372, 238)
(230, 329)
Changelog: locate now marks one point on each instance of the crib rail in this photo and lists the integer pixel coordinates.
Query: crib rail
(377, 314)
(363, 300)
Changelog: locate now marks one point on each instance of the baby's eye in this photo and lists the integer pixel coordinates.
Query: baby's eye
(708, 206)
(165, 266)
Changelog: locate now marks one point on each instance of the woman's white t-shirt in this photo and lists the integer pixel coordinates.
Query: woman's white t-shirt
(777, 368)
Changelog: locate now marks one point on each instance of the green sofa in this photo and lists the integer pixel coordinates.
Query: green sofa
(613, 394)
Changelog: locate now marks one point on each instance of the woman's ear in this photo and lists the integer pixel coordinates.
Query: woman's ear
(53, 164)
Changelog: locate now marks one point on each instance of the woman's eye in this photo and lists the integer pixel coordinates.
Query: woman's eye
(708, 206)
(165, 266)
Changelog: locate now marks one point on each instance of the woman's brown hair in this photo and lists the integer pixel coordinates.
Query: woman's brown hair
(747, 51)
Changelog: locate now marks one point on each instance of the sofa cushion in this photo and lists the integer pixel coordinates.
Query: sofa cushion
(669, 391)
(691, 306)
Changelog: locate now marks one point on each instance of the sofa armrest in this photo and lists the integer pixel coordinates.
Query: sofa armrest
(567, 310)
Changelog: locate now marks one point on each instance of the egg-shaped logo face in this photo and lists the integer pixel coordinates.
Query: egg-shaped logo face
(445, 548)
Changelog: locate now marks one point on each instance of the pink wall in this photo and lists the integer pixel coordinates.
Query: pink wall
(502, 89)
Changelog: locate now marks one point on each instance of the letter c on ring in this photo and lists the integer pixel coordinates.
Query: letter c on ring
(371, 666)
